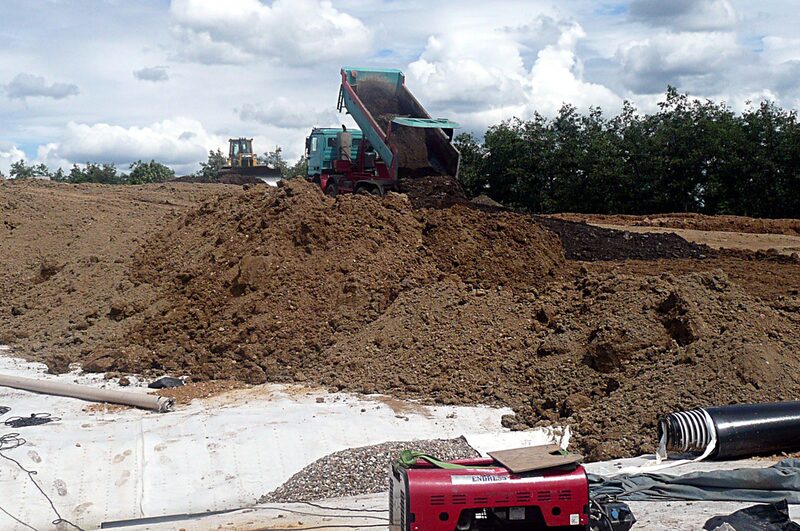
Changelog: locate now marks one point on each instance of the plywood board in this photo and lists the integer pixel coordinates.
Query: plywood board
(534, 458)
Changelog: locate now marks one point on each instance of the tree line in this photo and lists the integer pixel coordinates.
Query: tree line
(141, 172)
(690, 156)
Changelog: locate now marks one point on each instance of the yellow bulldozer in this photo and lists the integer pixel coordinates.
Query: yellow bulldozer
(243, 164)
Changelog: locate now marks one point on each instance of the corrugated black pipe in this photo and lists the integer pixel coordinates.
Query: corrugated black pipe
(741, 430)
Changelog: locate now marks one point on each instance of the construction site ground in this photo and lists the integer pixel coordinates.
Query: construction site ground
(441, 302)
(782, 236)
(203, 466)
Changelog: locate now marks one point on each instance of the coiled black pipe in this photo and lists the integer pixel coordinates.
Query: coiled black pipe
(740, 430)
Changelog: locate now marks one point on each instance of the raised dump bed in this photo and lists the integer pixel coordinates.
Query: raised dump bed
(404, 135)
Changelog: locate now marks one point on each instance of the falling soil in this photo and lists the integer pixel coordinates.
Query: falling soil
(455, 305)
(380, 99)
(384, 103)
(433, 191)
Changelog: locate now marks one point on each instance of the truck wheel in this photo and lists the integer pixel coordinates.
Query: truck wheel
(369, 190)
(331, 190)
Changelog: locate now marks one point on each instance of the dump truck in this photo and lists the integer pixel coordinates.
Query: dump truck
(397, 137)
(243, 165)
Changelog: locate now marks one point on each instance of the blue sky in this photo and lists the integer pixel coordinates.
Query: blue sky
(116, 81)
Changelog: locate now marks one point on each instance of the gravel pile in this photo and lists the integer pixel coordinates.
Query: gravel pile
(358, 471)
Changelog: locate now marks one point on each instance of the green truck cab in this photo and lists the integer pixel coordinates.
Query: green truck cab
(322, 150)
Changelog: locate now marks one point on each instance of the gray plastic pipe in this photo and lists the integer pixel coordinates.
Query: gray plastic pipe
(156, 403)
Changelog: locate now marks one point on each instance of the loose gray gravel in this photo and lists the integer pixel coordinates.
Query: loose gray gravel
(356, 471)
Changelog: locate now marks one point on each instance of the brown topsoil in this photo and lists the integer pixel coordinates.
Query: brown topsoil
(385, 103)
(448, 305)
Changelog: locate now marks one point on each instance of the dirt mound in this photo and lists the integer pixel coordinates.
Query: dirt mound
(486, 201)
(606, 355)
(64, 251)
(790, 227)
(256, 287)
(454, 305)
(433, 191)
(589, 243)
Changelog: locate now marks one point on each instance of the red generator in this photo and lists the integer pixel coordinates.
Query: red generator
(488, 497)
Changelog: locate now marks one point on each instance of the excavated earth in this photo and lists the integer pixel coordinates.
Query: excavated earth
(444, 302)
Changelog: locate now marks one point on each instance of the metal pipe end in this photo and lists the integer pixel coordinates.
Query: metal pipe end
(165, 404)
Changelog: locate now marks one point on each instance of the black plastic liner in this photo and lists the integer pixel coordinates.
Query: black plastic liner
(741, 430)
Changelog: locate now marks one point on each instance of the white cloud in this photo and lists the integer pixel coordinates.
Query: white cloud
(26, 85)
(152, 73)
(483, 78)
(281, 112)
(292, 32)
(459, 71)
(781, 49)
(557, 78)
(694, 61)
(177, 142)
(200, 47)
(9, 154)
(687, 15)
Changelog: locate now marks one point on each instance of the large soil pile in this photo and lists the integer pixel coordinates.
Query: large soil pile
(258, 286)
(463, 304)
(64, 255)
(433, 191)
(606, 354)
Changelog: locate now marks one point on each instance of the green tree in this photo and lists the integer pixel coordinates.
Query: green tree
(149, 172)
(298, 169)
(94, 173)
(20, 170)
(58, 176)
(274, 159)
(473, 176)
(690, 156)
(209, 170)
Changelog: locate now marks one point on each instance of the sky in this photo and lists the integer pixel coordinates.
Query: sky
(123, 80)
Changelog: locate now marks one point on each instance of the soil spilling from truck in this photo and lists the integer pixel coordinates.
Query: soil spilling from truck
(433, 191)
(385, 103)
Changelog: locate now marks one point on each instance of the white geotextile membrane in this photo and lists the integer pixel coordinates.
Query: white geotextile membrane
(214, 454)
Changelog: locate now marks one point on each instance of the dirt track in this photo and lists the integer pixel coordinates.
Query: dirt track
(748, 241)
(454, 305)
(790, 227)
